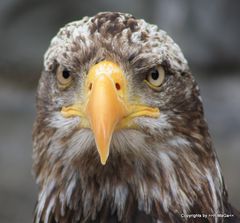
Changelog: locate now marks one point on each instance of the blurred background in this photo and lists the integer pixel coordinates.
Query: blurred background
(207, 31)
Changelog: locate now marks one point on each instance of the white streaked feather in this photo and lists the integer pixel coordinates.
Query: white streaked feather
(59, 122)
(178, 142)
(213, 192)
(49, 208)
(70, 188)
(120, 195)
(178, 195)
(43, 195)
(154, 124)
(129, 140)
(80, 142)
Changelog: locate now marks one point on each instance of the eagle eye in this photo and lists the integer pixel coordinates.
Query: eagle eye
(155, 77)
(64, 77)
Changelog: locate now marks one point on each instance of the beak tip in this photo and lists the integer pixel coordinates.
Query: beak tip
(103, 161)
(103, 157)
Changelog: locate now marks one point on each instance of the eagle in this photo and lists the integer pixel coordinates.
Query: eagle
(120, 134)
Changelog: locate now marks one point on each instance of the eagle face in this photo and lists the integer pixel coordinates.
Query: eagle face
(120, 133)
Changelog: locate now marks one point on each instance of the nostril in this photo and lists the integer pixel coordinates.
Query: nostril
(90, 86)
(117, 85)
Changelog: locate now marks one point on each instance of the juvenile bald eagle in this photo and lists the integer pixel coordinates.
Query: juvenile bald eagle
(120, 134)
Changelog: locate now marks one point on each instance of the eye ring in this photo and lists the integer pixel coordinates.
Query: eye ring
(155, 77)
(64, 77)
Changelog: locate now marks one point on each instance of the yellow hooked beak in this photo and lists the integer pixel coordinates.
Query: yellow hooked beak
(106, 107)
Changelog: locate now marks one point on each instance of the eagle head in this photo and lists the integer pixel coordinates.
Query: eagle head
(120, 133)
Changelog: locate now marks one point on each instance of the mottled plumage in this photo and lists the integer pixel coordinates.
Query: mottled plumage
(159, 171)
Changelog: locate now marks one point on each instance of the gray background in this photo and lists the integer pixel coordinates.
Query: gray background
(207, 31)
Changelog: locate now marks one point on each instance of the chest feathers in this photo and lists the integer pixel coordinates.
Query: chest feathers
(164, 185)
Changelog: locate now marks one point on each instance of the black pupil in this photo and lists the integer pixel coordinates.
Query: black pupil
(66, 74)
(155, 74)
